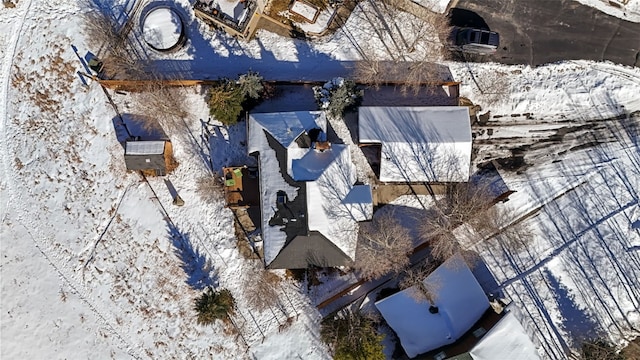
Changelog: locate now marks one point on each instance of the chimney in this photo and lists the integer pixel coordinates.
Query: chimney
(322, 145)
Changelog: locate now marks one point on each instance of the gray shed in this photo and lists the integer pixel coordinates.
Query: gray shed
(145, 155)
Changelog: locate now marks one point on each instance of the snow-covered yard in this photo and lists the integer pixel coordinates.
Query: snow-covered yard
(97, 261)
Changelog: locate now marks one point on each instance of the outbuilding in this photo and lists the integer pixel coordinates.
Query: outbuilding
(146, 155)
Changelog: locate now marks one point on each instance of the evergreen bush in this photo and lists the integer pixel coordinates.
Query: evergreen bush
(337, 96)
(214, 305)
(229, 99)
(225, 102)
(251, 85)
(352, 336)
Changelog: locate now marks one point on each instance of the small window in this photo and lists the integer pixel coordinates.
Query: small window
(440, 356)
(148, 160)
(485, 38)
(479, 332)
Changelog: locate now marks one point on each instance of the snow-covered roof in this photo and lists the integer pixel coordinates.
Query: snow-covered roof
(419, 144)
(162, 28)
(334, 204)
(144, 147)
(285, 127)
(328, 212)
(506, 340)
(460, 300)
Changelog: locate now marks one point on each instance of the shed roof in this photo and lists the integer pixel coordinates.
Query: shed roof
(144, 147)
(419, 144)
(460, 300)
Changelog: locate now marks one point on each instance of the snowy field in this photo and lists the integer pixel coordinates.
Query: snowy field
(98, 263)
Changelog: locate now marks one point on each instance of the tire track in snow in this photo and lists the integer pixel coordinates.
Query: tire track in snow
(124, 345)
(7, 63)
(95, 245)
(13, 196)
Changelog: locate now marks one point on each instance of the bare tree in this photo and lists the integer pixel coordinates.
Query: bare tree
(259, 286)
(463, 203)
(210, 188)
(599, 349)
(410, 55)
(384, 246)
(118, 59)
(168, 104)
(414, 278)
(514, 237)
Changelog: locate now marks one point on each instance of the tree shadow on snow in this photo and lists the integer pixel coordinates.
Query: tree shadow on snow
(199, 270)
(227, 145)
(219, 55)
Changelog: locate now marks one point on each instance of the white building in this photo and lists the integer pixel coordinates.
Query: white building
(419, 144)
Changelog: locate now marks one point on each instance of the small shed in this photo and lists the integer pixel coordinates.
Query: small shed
(146, 155)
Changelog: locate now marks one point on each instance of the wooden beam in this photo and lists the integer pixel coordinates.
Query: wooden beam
(133, 85)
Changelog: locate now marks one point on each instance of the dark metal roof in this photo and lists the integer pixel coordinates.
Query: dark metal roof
(306, 250)
(145, 162)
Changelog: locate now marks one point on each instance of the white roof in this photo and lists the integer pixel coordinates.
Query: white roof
(144, 147)
(285, 127)
(329, 176)
(162, 28)
(506, 340)
(328, 212)
(460, 300)
(419, 144)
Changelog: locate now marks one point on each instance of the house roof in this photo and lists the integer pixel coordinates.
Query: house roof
(419, 144)
(460, 300)
(322, 180)
(285, 127)
(506, 340)
(144, 147)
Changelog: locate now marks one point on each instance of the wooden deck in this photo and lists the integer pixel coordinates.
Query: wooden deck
(241, 188)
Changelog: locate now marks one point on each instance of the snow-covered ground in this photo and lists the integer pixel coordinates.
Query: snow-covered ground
(96, 261)
(625, 9)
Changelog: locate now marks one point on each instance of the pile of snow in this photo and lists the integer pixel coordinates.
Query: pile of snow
(624, 9)
(439, 6)
(162, 28)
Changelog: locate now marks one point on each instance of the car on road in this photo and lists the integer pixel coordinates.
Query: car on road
(476, 41)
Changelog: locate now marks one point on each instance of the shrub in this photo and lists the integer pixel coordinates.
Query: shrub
(225, 102)
(229, 99)
(599, 349)
(337, 96)
(214, 305)
(352, 336)
(251, 85)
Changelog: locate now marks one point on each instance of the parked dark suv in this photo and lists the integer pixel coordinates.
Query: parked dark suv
(476, 41)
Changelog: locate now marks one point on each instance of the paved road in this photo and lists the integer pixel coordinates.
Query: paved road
(536, 32)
